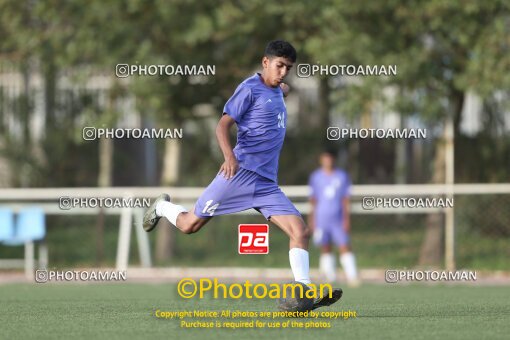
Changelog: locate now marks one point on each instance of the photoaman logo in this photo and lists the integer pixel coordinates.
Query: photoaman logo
(253, 239)
(188, 288)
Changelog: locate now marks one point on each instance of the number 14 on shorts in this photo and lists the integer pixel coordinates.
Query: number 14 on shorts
(253, 238)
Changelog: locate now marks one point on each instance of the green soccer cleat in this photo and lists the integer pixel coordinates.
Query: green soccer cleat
(150, 219)
(325, 300)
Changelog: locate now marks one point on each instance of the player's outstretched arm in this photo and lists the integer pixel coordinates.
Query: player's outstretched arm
(230, 166)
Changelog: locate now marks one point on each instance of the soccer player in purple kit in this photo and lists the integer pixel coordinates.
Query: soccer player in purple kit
(248, 176)
(330, 217)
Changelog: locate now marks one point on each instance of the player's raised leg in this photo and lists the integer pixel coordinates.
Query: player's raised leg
(222, 196)
(185, 221)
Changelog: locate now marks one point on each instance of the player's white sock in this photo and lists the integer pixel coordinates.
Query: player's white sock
(348, 262)
(299, 262)
(169, 210)
(327, 266)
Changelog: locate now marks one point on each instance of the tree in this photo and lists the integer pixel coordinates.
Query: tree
(442, 49)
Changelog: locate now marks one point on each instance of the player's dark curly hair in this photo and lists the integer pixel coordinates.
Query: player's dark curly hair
(280, 48)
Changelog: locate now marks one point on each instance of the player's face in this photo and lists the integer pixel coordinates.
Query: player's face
(326, 161)
(276, 69)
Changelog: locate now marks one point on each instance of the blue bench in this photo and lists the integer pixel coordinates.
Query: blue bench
(26, 229)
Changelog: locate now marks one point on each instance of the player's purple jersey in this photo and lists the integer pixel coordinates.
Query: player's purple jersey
(260, 114)
(329, 190)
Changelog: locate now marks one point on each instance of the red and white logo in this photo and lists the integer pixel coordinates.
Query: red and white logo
(253, 239)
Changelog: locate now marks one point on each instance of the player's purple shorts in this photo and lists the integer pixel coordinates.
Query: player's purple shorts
(334, 234)
(245, 190)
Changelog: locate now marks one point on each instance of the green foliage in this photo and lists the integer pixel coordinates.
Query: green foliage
(441, 48)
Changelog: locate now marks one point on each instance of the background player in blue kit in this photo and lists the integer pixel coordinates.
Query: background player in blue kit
(248, 177)
(330, 217)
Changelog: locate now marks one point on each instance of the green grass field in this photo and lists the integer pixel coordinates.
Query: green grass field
(125, 311)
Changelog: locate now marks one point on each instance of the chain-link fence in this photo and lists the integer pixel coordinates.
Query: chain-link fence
(482, 231)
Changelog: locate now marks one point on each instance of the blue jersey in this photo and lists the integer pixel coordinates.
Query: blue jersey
(329, 190)
(260, 114)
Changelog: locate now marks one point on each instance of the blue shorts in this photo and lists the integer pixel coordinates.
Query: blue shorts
(334, 234)
(244, 191)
